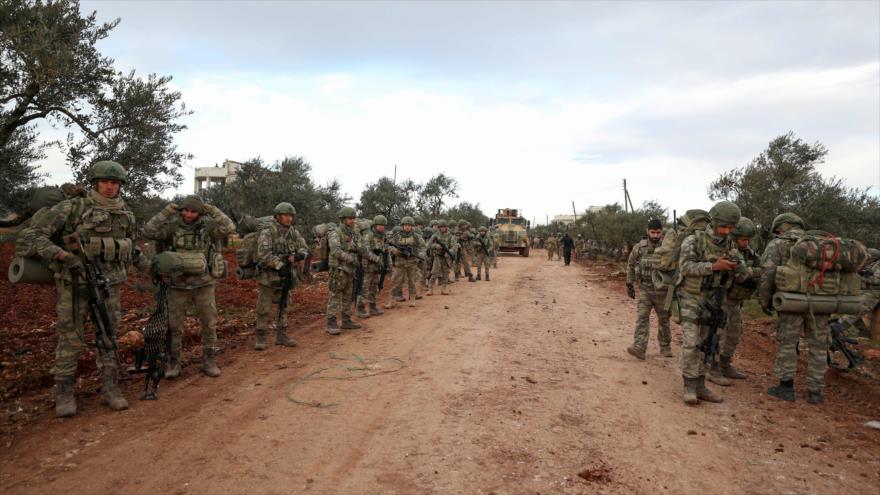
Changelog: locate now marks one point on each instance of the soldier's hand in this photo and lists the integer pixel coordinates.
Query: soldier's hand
(71, 262)
(630, 291)
(210, 210)
(170, 209)
(723, 265)
(375, 259)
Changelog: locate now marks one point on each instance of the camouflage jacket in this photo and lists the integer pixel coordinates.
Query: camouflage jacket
(698, 252)
(274, 242)
(484, 244)
(744, 287)
(871, 277)
(775, 254)
(638, 263)
(107, 235)
(374, 250)
(345, 246)
(172, 234)
(466, 239)
(447, 239)
(408, 239)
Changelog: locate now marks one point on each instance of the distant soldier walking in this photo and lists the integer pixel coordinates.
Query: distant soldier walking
(638, 268)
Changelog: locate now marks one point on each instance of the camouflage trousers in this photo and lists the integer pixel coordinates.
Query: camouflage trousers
(483, 260)
(340, 286)
(651, 299)
(179, 300)
(408, 268)
(463, 262)
(495, 258)
(693, 332)
(550, 252)
(370, 287)
(268, 296)
(425, 271)
(870, 302)
(71, 336)
(732, 332)
(440, 272)
(788, 333)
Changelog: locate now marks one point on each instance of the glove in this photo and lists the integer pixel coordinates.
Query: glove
(72, 262)
(210, 210)
(170, 209)
(630, 291)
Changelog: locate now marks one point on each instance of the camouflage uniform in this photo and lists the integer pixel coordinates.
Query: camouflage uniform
(485, 246)
(199, 237)
(496, 241)
(425, 265)
(465, 251)
(274, 243)
(550, 245)
(791, 325)
(638, 268)
(345, 246)
(736, 297)
(374, 244)
(407, 266)
(870, 298)
(442, 261)
(107, 229)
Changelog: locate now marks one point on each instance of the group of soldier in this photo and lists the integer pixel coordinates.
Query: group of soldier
(717, 256)
(359, 256)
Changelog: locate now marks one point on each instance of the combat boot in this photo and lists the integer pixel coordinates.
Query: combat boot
(444, 291)
(209, 367)
(813, 397)
(704, 393)
(400, 298)
(635, 352)
(487, 275)
(717, 377)
(729, 371)
(362, 311)
(65, 401)
(281, 338)
(412, 301)
(348, 324)
(666, 351)
(470, 277)
(260, 345)
(784, 391)
(430, 290)
(173, 369)
(110, 394)
(479, 276)
(456, 277)
(375, 311)
(690, 391)
(389, 304)
(332, 329)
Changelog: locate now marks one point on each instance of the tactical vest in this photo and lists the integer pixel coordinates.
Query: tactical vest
(347, 243)
(406, 239)
(104, 231)
(741, 291)
(645, 263)
(708, 251)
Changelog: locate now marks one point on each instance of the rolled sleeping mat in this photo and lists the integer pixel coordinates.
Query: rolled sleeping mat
(245, 273)
(790, 302)
(29, 271)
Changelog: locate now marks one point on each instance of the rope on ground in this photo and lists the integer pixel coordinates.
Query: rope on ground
(365, 367)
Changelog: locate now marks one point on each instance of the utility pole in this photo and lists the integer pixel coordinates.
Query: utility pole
(627, 200)
(394, 181)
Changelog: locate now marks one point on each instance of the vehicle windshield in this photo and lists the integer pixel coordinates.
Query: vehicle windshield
(518, 221)
(502, 221)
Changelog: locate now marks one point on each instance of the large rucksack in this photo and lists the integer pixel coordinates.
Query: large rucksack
(664, 260)
(322, 247)
(246, 255)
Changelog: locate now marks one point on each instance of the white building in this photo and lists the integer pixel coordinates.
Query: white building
(206, 177)
(570, 219)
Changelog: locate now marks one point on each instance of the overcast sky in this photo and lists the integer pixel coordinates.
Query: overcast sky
(528, 104)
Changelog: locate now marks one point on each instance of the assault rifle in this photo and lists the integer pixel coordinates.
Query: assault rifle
(157, 345)
(717, 321)
(445, 249)
(840, 343)
(386, 261)
(97, 292)
(406, 251)
(358, 280)
(287, 282)
(483, 246)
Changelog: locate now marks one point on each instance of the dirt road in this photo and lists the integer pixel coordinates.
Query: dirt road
(519, 385)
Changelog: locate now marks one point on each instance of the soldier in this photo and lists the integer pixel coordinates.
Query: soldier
(183, 229)
(550, 244)
(870, 276)
(707, 263)
(278, 244)
(345, 246)
(638, 267)
(485, 245)
(465, 250)
(567, 246)
(443, 258)
(106, 228)
(408, 249)
(788, 228)
(374, 242)
(740, 291)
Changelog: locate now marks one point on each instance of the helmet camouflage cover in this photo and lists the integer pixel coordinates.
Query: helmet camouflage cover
(725, 212)
(107, 169)
(346, 212)
(787, 217)
(744, 228)
(284, 208)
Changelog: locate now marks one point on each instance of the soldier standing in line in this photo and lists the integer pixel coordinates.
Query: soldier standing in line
(485, 249)
(722, 371)
(373, 241)
(279, 247)
(184, 230)
(443, 258)
(408, 249)
(345, 247)
(638, 267)
(706, 256)
(104, 230)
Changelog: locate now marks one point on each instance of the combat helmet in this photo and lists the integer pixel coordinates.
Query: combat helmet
(346, 212)
(874, 253)
(380, 220)
(284, 208)
(107, 169)
(441, 223)
(725, 212)
(787, 217)
(407, 221)
(744, 228)
(194, 203)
